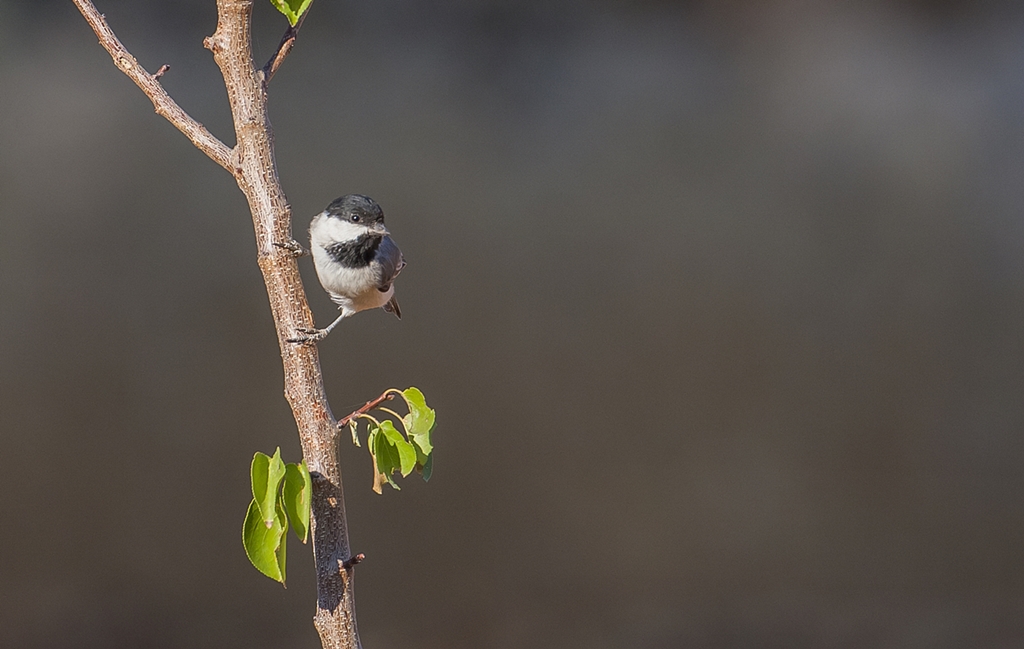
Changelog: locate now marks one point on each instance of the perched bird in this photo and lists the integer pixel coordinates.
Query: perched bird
(355, 258)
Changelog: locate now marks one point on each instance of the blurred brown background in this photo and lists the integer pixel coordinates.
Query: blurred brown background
(719, 303)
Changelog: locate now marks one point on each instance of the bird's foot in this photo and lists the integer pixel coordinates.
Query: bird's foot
(304, 336)
(292, 246)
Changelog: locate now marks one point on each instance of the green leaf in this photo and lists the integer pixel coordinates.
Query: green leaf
(266, 473)
(371, 444)
(298, 492)
(406, 451)
(385, 457)
(426, 467)
(419, 423)
(265, 546)
(424, 462)
(353, 425)
(392, 451)
(292, 9)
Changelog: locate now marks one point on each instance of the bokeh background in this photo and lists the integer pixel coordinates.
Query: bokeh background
(719, 303)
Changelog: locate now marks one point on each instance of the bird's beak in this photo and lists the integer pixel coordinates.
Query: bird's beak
(380, 229)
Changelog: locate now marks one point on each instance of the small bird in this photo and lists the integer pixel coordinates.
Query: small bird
(355, 258)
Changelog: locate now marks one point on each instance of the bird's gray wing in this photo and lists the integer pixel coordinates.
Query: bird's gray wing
(389, 263)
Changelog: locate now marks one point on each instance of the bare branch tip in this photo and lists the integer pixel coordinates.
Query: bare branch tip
(162, 71)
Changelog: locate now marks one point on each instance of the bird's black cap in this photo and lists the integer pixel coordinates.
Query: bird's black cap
(357, 209)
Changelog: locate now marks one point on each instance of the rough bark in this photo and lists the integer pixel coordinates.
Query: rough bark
(253, 165)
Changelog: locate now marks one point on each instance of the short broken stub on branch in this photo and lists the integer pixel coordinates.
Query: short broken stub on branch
(353, 561)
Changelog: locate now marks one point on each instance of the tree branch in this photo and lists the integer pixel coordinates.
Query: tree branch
(318, 432)
(253, 166)
(284, 48)
(150, 85)
(370, 405)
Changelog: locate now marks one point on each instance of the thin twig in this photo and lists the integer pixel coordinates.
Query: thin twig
(284, 48)
(150, 84)
(162, 71)
(353, 561)
(370, 405)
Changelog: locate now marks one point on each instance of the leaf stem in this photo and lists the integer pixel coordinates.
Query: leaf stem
(393, 414)
(363, 415)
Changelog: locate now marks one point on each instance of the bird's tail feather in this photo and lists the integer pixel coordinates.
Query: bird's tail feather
(392, 307)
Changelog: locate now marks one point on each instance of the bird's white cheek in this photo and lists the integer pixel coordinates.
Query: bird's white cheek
(325, 231)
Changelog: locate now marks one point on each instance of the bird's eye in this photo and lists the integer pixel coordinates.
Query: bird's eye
(355, 218)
